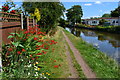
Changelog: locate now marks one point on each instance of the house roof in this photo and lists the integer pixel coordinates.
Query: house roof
(102, 18)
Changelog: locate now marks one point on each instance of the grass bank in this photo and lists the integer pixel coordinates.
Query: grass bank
(111, 29)
(55, 60)
(58, 57)
(102, 65)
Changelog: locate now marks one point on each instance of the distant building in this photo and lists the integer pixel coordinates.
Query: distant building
(111, 21)
(114, 21)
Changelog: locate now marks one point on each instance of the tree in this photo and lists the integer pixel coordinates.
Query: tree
(116, 12)
(49, 13)
(106, 15)
(62, 22)
(74, 14)
(102, 21)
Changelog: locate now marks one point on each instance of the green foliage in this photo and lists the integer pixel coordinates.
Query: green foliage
(116, 12)
(22, 58)
(37, 14)
(50, 13)
(62, 22)
(102, 21)
(106, 15)
(74, 14)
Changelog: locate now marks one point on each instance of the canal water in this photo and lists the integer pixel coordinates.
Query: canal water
(105, 42)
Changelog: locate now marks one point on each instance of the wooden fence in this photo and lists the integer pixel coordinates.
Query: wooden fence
(10, 23)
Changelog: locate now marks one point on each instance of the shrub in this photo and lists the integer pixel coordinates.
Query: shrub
(21, 58)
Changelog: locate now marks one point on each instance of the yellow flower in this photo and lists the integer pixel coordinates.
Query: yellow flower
(42, 73)
(48, 74)
(36, 62)
(38, 69)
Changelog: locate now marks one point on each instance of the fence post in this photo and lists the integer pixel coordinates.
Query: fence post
(0, 48)
(33, 22)
(27, 22)
(22, 20)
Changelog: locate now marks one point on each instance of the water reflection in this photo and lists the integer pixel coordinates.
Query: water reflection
(106, 42)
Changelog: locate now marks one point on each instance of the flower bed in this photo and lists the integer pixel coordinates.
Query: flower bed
(22, 57)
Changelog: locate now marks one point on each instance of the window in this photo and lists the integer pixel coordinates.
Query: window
(116, 21)
(113, 22)
(94, 21)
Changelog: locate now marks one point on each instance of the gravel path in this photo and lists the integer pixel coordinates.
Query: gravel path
(73, 71)
(85, 68)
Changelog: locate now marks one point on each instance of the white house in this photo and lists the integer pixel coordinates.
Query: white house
(115, 21)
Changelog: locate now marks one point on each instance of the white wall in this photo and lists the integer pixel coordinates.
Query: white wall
(113, 21)
(90, 22)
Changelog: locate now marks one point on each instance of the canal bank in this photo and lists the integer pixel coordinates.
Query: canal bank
(102, 65)
(110, 29)
(105, 42)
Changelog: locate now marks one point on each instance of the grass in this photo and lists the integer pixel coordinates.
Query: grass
(76, 65)
(102, 65)
(56, 56)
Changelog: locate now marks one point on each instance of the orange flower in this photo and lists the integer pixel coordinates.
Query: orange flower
(10, 49)
(19, 52)
(54, 60)
(23, 50)
(39, 54)
(35, 38)
(56, 66)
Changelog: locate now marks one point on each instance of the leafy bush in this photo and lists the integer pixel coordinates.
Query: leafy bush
(22, 57)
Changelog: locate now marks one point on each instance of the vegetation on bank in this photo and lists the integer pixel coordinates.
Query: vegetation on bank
(112, 29)
(102, 65)
(32, 54)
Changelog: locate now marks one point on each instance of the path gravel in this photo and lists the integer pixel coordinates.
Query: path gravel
(85, 68)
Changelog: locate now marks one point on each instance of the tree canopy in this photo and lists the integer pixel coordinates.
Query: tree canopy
(116, 12)
(74, 14)
(106, 15)
(49, 12)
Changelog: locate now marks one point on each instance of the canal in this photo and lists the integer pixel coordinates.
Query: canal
(107, 43)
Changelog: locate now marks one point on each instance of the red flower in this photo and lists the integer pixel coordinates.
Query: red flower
(54, 60)
(26, 32)
(46, 48)
(39, 54)
(19, 52)
(53, 49)
(36, 57)
(33, 58)
(23, 50)
(39, 32)
(56, 66)
(10, 49)
(35, 38)
(7, 54)
(13, 11)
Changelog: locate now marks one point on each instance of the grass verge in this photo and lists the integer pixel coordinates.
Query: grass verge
(102, 65)
(55, 60)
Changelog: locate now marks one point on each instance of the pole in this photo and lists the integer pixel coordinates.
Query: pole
(22, 20)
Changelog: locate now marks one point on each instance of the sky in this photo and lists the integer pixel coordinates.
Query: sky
(93, 9)
(90, 9)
